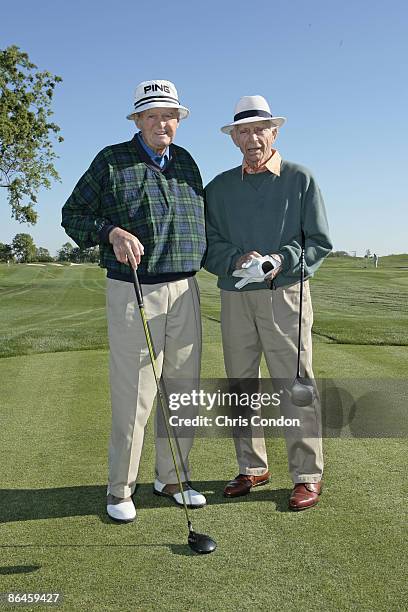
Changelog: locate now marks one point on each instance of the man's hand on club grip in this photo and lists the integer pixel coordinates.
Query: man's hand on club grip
(127, 248)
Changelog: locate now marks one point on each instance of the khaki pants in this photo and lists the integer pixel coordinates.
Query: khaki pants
(173, 312)
(266, 321)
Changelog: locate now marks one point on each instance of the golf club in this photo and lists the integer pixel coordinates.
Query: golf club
(267, 266)
(302, 391)
(198, 542)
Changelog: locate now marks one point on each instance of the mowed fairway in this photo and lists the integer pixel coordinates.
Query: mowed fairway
(347, 554)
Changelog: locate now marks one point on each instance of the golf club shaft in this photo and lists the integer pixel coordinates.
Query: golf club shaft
(302, 279)
(161, 394)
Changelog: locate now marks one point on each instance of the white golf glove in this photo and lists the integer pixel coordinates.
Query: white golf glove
(252, 272)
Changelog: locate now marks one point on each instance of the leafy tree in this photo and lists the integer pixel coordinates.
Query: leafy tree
(24, 248)
(93, 254)
(65, 252)
(339, 254)
(43, 255)
(77, 255)
(90, 255)
(6, 252)
(26, 148)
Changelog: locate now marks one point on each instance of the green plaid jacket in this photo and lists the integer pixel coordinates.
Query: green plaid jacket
(164, 209)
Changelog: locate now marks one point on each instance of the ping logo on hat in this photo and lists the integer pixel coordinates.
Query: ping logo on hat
(157, 94)
(155, 87)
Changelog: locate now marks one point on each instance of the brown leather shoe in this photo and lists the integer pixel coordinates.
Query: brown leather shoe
(305, 495)
(243, 483)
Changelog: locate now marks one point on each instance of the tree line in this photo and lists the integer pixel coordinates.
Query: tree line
(24, 250)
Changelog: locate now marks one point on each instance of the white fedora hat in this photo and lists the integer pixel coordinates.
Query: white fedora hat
(252, 108)
(157, 94)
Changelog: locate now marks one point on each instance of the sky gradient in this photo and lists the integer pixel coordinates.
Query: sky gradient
(337, 71)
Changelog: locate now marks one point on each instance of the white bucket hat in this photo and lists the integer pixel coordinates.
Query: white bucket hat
(252, 108)
(157, 94)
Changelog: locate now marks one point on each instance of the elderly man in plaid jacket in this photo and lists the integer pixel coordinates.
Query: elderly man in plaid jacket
(142, 202)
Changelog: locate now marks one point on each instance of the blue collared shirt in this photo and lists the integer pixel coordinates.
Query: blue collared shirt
(160, 160)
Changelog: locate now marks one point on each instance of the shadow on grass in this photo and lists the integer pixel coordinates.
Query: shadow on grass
(36, 504)
(18, 569)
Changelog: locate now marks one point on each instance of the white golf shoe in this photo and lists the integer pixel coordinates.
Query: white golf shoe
(193, 498)
(123, 511)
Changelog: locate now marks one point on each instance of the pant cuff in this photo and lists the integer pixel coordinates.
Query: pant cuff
(312, 478)
(253, 471)
(121, 492)
(185, 477)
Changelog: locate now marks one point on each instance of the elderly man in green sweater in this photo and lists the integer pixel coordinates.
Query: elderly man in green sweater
(267, 207)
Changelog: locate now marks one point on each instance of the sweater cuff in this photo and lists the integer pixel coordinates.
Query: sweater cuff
(104, 232)
(284, 260)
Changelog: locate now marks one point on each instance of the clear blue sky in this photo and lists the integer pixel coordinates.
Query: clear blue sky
(336, 70)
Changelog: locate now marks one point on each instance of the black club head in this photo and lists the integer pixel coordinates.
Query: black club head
(201, 543)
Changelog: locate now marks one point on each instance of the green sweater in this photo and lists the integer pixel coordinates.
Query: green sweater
(265, 213)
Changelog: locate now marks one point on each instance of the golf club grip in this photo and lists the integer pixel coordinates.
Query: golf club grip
(267, 266)
(138, 291)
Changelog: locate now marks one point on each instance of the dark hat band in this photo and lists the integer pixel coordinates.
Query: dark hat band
(156, 99)
(252, 113)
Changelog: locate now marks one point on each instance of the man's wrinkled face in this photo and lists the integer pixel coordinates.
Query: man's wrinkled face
(255, 141)
(158, 127)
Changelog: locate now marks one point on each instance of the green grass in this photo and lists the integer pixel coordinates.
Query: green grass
(347, 554)
(50, 309)
(358, 304)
